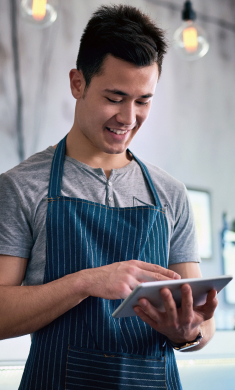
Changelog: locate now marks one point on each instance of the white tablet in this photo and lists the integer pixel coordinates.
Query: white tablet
(151, 291)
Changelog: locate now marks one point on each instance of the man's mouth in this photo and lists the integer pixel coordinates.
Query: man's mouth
(116, 131)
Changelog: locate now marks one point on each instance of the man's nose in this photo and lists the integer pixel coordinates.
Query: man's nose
(127, 115)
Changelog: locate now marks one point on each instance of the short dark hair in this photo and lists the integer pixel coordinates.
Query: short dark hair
(125, 33)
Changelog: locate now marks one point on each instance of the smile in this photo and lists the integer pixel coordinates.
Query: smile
(117, 131)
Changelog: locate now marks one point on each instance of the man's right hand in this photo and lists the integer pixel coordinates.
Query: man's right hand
(117, 280)
(25, 309)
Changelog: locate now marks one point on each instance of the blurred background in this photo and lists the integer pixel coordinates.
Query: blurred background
(190, 133)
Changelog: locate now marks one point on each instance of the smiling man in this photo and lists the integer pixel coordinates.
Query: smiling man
(84, 222)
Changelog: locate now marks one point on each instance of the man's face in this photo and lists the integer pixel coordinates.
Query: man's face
(115, 105)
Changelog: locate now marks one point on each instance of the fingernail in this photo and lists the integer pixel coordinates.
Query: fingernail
(143, 304)
(136, 310)
(177, 276)
(164, 293)
(185, 289)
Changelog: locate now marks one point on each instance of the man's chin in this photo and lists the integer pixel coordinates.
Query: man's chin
(112, 150)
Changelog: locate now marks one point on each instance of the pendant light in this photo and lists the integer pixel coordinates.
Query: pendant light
(190, 39)
(39, 12)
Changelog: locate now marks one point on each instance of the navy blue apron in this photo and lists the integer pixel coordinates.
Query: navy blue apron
(86, 348)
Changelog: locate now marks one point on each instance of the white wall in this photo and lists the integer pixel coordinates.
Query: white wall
(191, 129)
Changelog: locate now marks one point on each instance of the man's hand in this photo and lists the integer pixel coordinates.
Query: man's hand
(117, 280)
(182, 324)
(25, 309)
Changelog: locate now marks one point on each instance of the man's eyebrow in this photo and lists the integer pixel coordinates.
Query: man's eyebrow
(121, 93)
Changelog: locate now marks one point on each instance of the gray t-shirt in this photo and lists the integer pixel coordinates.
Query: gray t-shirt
(23, 205)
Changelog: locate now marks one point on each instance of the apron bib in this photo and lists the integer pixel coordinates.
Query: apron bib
(86, 348)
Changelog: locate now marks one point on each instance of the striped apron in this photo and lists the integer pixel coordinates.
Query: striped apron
(86, 348)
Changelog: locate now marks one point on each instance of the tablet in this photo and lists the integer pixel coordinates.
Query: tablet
(151, 291)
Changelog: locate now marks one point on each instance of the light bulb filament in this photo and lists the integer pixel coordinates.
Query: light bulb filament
(39, 9)
(190, 39)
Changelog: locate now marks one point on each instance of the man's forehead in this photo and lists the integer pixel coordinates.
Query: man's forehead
(112, 65)
(121, 77)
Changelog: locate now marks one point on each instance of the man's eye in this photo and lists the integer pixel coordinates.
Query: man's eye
(114, 101)
(144, 103)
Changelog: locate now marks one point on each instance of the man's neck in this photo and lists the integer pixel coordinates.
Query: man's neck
(87, 154)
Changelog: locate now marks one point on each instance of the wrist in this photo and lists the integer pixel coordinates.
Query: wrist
(188, 343)
(79, 285)
(184, 336)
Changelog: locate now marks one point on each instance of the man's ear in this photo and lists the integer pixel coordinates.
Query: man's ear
(77, 83)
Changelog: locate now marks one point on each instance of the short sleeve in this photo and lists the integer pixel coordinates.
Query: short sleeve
(15, 231)
(183, 243)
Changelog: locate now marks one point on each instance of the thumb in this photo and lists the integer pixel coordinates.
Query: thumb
(207, 310)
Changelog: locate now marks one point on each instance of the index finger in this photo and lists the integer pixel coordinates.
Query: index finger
(157, 269)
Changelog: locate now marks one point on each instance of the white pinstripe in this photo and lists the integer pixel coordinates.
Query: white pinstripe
(162, 248)
(55, 349)
(124, 320)
(52, 240)
(115, 332)
(97, 387)
(64, 343)
(128, 238)
(115, 240)
(101, 388)
(124, 358)
(80, 257)
(136, 338)
(103, 338)
(113, 376)
(120, 327)
(132, 385)
(44, 360)
(140, 243)
(70, 255)
(50, 350)
(85, 237)
(101, 257)
(96, 241)
(109, 236)
(75, 251)
(92, 256)
(101, 254)
(132, 257)
(36, 378)
(113, 369)
(122, 237)
(134, 240)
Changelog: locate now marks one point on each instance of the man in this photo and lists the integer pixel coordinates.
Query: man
(83, 223)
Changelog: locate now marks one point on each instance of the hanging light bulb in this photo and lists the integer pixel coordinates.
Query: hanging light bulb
(39, 9)
(39, 12)
(190, 39)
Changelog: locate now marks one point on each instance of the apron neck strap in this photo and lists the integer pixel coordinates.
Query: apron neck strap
(57, 168)
(149, 180)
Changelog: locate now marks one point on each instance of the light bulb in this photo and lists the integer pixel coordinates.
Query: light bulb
(39, 12)
(39, 9)
(190, 39)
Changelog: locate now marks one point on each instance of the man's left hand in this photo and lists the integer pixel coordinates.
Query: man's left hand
(178, 325)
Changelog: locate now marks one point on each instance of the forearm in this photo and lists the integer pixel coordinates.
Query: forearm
(208, 330)
(25, 309)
